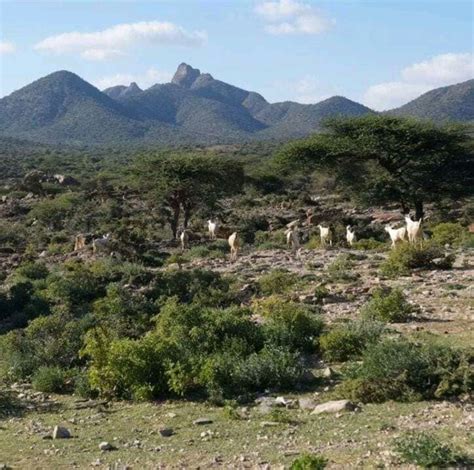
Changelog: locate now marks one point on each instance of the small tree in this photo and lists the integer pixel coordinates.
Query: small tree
(384, 159)
(182, 184)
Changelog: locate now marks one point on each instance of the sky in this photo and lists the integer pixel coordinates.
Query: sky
(382, 53)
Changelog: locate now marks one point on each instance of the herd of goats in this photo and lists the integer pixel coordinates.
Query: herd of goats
(412, 230)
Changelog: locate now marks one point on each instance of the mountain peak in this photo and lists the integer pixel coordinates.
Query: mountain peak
(185, 75)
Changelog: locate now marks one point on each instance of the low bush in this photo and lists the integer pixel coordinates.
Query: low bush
(405, 371)
(277, 282)
(313, 243)
(369, 244)
(349, 340)
(427, 451)
(50, 379)
(265, 240)
(453, 234)
(320, 293)
(390, 307)
(342, 269)
(309, 462)
(404, 258)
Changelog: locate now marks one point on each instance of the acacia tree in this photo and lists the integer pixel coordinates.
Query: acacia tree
(182, 183)
(384, 159)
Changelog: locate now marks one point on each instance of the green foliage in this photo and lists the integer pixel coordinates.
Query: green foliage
(32, 271)
(277, 282)
(450, 233)
(404, 371)
(388, 306)
(49, 379)
(349, 340)
(265, 240)
(426, 451)
(53, 212)
(369, 244)
(405, 258)
(309, 462)
(342, 269)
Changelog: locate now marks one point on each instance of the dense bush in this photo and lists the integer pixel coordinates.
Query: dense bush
(49, 379)
(369, 244)
(199, 349)
(426, 450)
(309, 462)
(404, 371)
(349, 340)
(342, 269)
(277, 282)
(405, 258)
(450, 233)
(390, 307)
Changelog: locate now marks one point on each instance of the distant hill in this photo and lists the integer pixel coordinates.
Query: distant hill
(449, 103)
(194, 108)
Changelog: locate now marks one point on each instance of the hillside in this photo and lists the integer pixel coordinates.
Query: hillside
(194, 108)
(454, 103)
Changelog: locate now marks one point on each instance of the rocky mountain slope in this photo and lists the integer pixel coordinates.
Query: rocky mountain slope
(194, 108)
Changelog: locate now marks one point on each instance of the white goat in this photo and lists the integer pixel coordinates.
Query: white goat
(184, 237)
(396, 234)
(325, 234)
(234, 244)
(413, 229)
(350, 235)
(212, 226)
(101, 244)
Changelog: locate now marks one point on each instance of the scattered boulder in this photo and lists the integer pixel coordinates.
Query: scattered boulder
(202, 421)
(334, 406)
(106, 446)
(307, 403)
(328, 373)
(60, 432)
(166, 432)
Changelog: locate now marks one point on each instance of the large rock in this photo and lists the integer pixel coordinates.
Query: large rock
(60, 432)
(334, 406)
(106, 446)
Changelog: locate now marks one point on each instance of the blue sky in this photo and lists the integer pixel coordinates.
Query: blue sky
(382, 53)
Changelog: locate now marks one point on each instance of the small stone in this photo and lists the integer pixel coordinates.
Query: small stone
(202, 421)
(307, 403)
(166, 432)
(61, 432)
(106, 446)
(334, 406)
(328, 373)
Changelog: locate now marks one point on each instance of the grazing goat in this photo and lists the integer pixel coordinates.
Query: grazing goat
(413, 229)
(184, 237)
(79, 242)
(350, 235)
(234, 244)
(212, 226)
(101, 244)
(396, 234)
(292, 239)
(325, 234)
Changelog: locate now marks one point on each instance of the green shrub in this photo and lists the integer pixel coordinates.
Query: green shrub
(277, 282)
(348, 341)
(390, 307)
(313, 243)
(265, 240)
(404, 371)
(405, 258)
(49, 379)
(82, 386)
(342, 269)
(369, 244)
(320, 293)
(426, 450)
(32, 271)
(309, 462)
(450, 233)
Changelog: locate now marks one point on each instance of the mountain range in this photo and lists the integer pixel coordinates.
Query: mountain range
(194, 108)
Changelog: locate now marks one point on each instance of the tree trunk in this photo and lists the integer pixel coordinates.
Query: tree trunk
(419, 213)
(174, 220)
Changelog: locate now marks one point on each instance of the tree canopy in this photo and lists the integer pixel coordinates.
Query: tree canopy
(384, 159)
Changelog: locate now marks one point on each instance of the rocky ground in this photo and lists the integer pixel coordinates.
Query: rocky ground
(272, 431)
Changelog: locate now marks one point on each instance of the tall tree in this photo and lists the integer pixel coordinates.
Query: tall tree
(382, 159)
(182, 184)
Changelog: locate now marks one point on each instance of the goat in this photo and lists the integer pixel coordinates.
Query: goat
(396, 234)
(234, 244)
(79, 242)
(350, 235)
(325, 234)
(212, 226)
(184, 237)
(100, 244)
(413, 229)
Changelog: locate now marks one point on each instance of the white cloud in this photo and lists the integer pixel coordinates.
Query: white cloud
(145, 80)
(292, 17)
(110, 42)
(7, 47)
(416, 79)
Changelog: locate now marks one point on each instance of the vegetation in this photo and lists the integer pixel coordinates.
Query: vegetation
(390, 307)
(309, 462)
